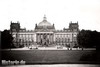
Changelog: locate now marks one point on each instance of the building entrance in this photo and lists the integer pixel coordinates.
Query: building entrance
(44, 39)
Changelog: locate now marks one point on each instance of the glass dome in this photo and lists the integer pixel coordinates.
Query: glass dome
(44, 22)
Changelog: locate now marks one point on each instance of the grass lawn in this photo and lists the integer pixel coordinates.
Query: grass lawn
(51, 56)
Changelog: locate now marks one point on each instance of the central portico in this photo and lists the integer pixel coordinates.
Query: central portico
(44, 32)
(45, 38)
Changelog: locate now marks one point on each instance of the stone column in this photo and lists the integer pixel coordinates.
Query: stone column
(37, 38)
(50, 38)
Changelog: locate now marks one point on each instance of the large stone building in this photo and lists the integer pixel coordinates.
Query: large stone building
(44, 34)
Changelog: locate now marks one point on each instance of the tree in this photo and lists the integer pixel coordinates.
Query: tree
(88, 38)
(83, 38)
(97, 40)
(6, 39)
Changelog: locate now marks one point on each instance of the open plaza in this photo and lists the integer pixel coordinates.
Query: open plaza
(47, 55)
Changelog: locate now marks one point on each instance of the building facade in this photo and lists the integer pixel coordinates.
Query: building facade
(44, 34)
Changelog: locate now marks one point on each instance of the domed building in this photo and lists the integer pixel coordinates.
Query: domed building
(44, 26)
(44, 34)
(44, 22)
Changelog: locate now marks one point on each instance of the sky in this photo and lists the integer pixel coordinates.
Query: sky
(58, 12)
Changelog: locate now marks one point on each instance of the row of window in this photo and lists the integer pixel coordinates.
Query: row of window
(23, 35)
(65, 35)
(23, 40)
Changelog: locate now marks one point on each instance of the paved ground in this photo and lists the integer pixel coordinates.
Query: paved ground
(51, 48)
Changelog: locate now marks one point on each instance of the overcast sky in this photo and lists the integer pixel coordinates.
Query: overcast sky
(59, 12)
